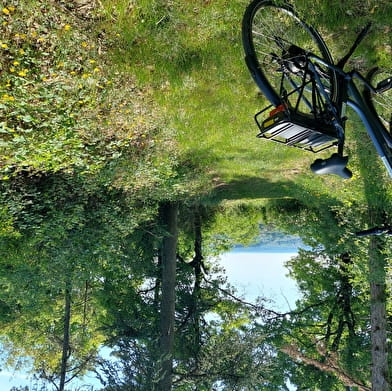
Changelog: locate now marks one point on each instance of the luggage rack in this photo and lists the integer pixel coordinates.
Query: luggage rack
(286, 126)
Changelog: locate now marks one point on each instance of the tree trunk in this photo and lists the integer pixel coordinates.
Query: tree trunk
(169, 212)
(375, 193)
(377, 278)
(197, 265)
(67, 321)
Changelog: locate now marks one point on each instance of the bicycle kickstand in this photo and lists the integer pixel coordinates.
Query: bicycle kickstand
(358, 40)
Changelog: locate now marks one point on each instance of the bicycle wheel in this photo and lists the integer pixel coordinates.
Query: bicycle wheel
(271, 31)
(381, 102)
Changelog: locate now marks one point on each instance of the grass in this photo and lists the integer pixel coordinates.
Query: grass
(190, 57)
(173, 73)
(182, 94)
(182, 63)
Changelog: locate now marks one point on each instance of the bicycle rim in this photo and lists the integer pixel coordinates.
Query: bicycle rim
(268, 31)
(381, 103)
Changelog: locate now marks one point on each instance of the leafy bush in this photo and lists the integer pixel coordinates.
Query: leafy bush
(62, 107)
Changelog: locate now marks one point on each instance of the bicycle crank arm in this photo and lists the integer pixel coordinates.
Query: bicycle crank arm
(384, 85)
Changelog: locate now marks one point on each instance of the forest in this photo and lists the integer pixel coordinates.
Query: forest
(129, 163)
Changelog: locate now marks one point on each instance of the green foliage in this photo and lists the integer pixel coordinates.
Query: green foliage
(6, 223)
(72, 228)
(334, 282)
(43, 90)
(232, 225)
(315, 226)
(235, 359)
(106, 114)
(333, 313)
(64, 109)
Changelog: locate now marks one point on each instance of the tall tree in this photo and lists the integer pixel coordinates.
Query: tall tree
(330, 313)
(203, 351)
(363, 277)
(66, 337)
(378, 207)
(378, 318)
(169, 216)
(70, 228)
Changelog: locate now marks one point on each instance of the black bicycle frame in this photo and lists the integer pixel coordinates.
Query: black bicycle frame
(350, 96)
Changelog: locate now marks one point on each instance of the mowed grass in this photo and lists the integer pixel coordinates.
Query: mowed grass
(189, 56)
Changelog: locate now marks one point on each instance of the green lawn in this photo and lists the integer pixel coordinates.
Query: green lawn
(189, 56)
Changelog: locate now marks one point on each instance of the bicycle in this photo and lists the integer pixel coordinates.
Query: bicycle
(293, 67)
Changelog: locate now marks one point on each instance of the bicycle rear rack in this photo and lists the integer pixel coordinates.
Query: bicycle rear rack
(287, 127)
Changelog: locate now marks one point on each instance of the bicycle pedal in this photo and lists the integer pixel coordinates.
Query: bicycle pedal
(336, 164)
(384, 85)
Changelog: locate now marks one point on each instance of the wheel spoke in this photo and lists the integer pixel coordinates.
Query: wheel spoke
(279, 41)
(382, 102)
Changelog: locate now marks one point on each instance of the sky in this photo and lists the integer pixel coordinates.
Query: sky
(262, 273)
(254, 272)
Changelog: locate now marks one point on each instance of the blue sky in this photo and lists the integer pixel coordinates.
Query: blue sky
(9, 379)
(262, 274)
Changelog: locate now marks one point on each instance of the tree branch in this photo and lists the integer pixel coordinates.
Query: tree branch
(330, 365)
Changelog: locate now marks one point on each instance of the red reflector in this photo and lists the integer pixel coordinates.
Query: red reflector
(277, 109)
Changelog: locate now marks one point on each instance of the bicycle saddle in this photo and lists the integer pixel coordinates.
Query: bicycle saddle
(336, 164)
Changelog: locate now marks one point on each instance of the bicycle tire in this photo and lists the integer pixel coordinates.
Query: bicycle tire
(266, 22)
(380, 103)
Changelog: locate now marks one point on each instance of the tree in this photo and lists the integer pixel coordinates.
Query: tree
(364, 268)
(378, 318)
(134, 299)
(51, 273)
(169, 212)
(328, 328)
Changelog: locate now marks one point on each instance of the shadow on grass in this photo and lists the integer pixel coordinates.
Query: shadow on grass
(261, 184)
(252, 188)
(247, 187)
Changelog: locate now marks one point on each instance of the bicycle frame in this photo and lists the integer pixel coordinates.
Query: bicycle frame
(351, 96)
